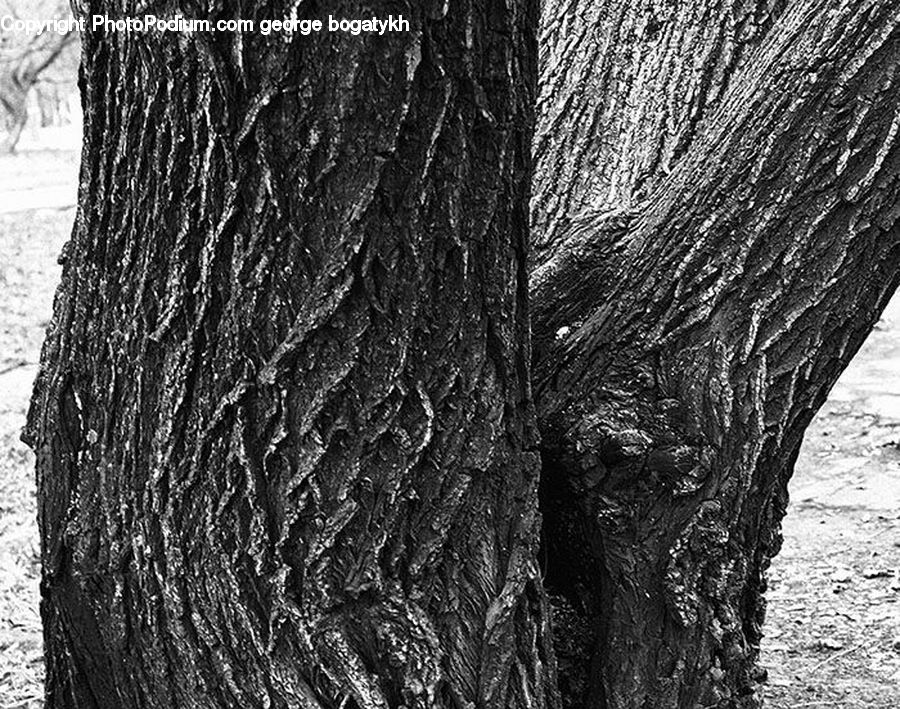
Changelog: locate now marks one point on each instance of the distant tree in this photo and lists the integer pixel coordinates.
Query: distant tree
(25, 61)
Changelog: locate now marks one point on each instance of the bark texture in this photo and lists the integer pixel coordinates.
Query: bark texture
(684, 340)
(285, 448)
(625, 88)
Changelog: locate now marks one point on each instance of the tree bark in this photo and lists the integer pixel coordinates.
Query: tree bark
(286, 452)
(625, 88)
(685, 338)
(285, 440)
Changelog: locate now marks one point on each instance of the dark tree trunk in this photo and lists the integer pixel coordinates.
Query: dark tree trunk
(741, 245)
(285, 447)
(286, 451)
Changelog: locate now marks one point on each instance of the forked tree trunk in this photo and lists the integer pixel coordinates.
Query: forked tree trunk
(690, 325)
(285, 446)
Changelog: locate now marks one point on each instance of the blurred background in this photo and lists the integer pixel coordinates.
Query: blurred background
(833, 629)
(38, 90)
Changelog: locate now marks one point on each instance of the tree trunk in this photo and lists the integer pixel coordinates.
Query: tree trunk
(688, 327)
(285, 446)
(625, 88)
(14, 101)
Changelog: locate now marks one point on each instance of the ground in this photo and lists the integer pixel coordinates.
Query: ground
(833, 629)
(30, 240)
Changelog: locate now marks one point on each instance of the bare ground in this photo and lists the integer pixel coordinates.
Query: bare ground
(833, 631)
(30, 240)
(833, 634)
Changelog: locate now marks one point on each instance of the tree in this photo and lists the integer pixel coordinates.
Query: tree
(285, 447)
(25, 61)
(284, 426)
(740, 242)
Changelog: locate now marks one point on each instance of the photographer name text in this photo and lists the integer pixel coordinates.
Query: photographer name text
(153, 23)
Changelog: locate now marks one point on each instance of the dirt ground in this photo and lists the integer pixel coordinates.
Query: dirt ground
(833, 630)
(833, 633)
(30, 240)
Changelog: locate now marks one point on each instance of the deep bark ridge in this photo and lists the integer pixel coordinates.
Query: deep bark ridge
(286, 451)
(286, 438)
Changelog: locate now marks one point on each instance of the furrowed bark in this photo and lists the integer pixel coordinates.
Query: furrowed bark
(285, 448)
(683, 346)
(625, 88)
